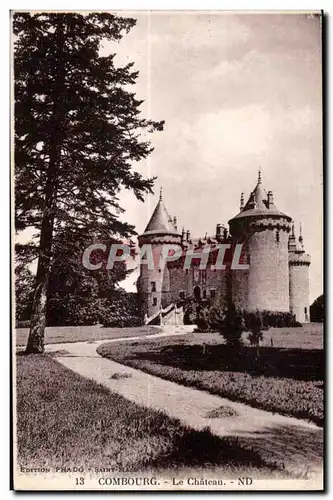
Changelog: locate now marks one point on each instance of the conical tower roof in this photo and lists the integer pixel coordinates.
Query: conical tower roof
(258, 204)
(160, 221)
(258, 195)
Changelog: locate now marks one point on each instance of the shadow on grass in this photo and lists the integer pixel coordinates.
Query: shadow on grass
(282, 448)
(299, 364)
(304, 447)
(201, 448)
(62, 416)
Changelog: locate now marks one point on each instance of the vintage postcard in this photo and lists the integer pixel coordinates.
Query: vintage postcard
(167, 188)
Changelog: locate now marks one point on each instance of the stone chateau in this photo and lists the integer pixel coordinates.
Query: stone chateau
(277, 278)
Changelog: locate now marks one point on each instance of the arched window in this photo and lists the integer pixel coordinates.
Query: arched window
(197, 293)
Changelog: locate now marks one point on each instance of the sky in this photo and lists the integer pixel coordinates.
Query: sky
(237, 92)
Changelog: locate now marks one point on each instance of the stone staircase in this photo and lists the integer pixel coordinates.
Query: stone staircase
(170, 321)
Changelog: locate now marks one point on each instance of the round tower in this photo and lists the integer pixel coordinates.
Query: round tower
(154, 283)
(299, 264)
(263, 231)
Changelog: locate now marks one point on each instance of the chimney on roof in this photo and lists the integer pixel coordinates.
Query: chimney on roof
(300, 239)
(252, 203)
(188, 235)
(270, 199)
(292, 240)
(218, 231)
(241, 205)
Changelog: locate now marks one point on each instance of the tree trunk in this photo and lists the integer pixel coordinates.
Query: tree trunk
(38, 315)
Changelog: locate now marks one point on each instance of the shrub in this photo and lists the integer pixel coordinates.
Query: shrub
(279, 319)
(227, 320)
(231, 325)
(231, 322)
(122, 321)
(317, 310)
(190, 314)
(203, 319)
(254, 324)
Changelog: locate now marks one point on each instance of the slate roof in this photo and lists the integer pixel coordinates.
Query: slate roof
(160, 221)
(257, 204)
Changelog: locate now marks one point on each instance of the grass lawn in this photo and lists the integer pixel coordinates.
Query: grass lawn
(66, 420)
(60, 334)
(310, 336)
(286, 380)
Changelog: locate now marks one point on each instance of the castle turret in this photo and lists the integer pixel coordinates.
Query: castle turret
(263, 231)
(188, 236)
(241, 205)
(299, 263)
(154, 284)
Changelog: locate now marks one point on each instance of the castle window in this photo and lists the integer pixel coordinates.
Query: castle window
(305, 310)
(277, 237)
(204, 294)
(212, 293)
(182, 294)
(153, 286)
(154, 301)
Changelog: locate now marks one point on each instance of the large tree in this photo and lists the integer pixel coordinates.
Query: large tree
(317, 310)
(78, 130)
(24, 283)
(76, 295)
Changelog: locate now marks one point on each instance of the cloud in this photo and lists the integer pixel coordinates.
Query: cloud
(237, 91)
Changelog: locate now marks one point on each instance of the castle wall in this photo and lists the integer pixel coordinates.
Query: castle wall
(150, 300)
(154, 284)
(239, 288)
(299, 291)
(239, 279)
(216, 280)
(268, 278)
(179, 281)
(277, 280)
(208, 280)
(166, 293)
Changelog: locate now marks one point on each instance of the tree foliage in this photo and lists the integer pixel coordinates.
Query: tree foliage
(76, 295)
(24, 287)
(78, 131)
(230, 324)
(317, 312)
(254, 324)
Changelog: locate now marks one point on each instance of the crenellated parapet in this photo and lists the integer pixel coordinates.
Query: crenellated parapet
(273, 270)
(299, 263)
(264, 230)
(299, 259)
(257, 223)
(159, 238)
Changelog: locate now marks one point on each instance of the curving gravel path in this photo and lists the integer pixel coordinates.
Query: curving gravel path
(296, 444)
